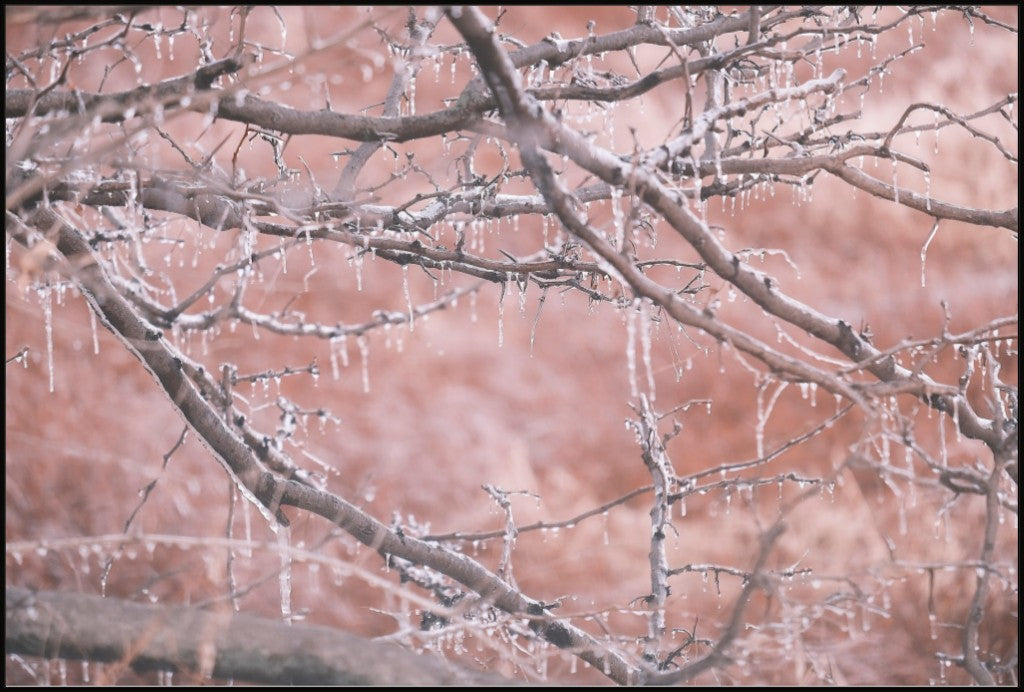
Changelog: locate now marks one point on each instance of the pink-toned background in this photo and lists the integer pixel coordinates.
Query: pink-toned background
(448, 409)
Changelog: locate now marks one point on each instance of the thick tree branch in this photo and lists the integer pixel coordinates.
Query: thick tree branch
(200, 644)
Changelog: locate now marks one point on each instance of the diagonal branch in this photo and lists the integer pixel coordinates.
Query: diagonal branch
(270, 492)
(535, 128)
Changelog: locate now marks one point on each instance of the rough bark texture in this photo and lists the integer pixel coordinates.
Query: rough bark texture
(214, 642)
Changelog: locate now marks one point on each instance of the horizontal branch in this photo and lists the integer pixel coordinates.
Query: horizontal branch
(19, 103)
(238, 105)
(364, 227)
(210, 643)
(929, 205)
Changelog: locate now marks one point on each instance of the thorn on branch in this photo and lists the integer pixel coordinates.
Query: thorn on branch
(849, 342)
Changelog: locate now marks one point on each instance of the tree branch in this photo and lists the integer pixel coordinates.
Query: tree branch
(209, 643)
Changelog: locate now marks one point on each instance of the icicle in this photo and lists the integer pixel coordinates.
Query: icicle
(618, 221)
(408, 296)
(536, 319)
(895, 182)
(956, 421)
(501, 318)
(285, 574)
(45, 295)
(631, 350)
(645, 349)
(364, 352)
(943, 457)
(95, 333)
(924, 250)
(332, 347)
(359, 268)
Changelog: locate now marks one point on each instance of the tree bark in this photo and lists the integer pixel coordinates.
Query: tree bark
(209, 643)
